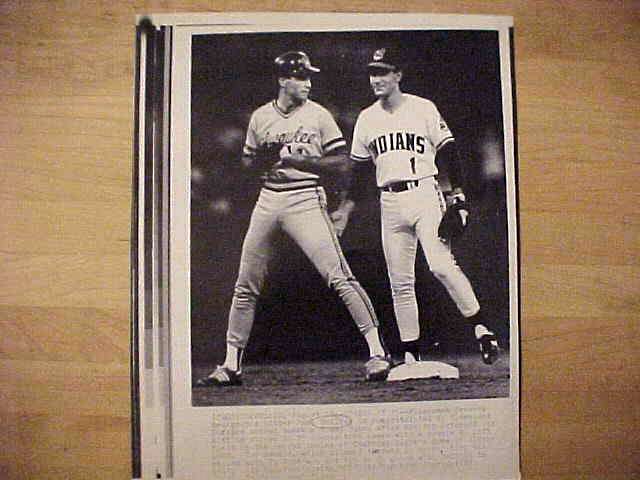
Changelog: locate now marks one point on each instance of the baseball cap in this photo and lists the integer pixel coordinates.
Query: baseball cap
(295, 64)
(387, 59)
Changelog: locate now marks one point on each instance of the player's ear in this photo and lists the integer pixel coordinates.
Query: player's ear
(282, 81)
(398, 74)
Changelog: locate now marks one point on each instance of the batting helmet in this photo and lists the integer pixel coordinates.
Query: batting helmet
(294, 64)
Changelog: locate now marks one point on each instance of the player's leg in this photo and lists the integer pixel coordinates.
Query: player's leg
(444, 267)
(257, 250)
(311, 228)
(399, 243)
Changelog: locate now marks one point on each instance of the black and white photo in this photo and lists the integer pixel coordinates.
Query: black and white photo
(273, 319)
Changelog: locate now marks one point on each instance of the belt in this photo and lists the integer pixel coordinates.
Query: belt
(400, 186)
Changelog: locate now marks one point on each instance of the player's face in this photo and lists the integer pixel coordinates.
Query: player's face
(297, 88)
(384, 82)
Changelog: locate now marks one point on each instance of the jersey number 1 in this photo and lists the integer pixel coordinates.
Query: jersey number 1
(413, 165)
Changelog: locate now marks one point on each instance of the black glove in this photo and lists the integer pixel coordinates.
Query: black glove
(455, 218)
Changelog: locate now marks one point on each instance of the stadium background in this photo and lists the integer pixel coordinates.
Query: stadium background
(299, 318)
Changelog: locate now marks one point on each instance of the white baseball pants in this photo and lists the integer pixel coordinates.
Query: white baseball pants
(409, 217)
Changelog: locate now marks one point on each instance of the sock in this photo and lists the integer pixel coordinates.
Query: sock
(481, 330)
(233, 360)
(412, 347)
(375, 345)
(478, 321)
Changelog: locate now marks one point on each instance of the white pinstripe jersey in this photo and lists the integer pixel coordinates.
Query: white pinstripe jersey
(310, 124)
(402, 144)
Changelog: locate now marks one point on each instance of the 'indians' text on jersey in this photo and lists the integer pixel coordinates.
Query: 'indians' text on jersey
(402, 143)
(309, 124)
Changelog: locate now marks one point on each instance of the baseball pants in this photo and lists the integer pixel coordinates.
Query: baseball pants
(302, 214)
(409, 217)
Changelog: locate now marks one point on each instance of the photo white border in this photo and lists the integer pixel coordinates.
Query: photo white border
(192, 425)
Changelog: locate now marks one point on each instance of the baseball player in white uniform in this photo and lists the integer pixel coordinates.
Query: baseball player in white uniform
(295, 139)
(406, 137)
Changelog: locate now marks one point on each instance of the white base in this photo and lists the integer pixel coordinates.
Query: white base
(417, 370)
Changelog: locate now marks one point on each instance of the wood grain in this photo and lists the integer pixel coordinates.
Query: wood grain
(66, 121)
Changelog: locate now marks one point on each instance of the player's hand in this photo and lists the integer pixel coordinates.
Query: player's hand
(340, 216)
(291, 153)
(455, 196)
(340, 220)
(458, 198)
(297, 156)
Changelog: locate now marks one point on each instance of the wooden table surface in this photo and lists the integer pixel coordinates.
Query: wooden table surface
(66, 71)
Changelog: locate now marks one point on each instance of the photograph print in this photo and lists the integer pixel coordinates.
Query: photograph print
(350, 218)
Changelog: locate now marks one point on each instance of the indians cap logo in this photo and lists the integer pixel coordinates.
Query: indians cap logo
(379, 54)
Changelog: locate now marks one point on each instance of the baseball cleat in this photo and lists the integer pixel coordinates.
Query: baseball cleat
(377, 368)
(489, 348)
(221, 377)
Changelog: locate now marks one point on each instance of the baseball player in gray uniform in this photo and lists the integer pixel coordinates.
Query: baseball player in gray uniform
(295, 140)
(406, 137)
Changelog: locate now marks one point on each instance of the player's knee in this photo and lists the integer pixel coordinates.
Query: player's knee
(340, 283)
(337, 278)
(403, 288)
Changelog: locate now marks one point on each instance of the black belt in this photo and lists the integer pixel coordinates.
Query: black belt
(400, 186)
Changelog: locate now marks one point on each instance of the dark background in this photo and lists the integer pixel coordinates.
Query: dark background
(298, 318)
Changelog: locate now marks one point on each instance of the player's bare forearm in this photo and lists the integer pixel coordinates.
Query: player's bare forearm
(328, 164)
